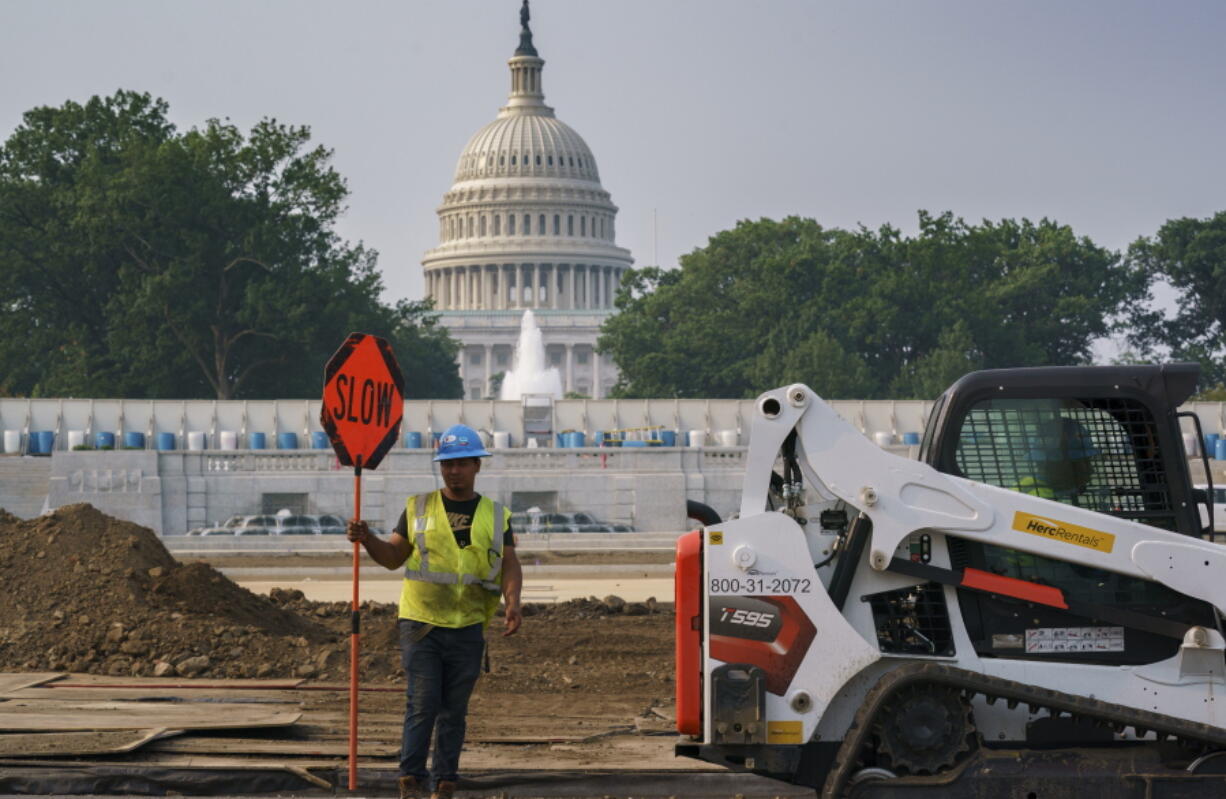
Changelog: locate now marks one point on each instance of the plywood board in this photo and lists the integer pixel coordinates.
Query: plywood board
(189, 744)
(160, 683)
(77, 744)
(104, 693)
(11, 682)
(37, 715)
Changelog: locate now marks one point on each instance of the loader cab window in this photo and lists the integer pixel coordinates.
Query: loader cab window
(1098, 454)
(1101, 455)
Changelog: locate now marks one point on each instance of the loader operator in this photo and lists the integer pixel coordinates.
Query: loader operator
(459, 557)
(1062, 457)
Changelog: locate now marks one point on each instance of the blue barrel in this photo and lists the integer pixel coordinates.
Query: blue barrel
(634, 443)
(412, 439)
(257, 441)
(911, 439)
(165, 441)
(104, 440)
(668, 438)
(319, 440)
(1219, 453)
(1211, 440)
(133, 440)
(578, 439)
(287, 441)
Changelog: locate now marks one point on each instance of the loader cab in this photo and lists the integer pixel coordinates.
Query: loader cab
(1101, 438)
(1105, 439)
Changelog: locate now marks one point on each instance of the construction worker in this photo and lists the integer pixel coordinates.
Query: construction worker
(1063, 459)
(458, 554)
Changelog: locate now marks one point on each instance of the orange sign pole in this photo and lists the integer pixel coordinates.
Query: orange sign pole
(355, 635)
(361, 413)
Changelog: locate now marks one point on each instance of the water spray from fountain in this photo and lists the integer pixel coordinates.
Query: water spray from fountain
(529, 374)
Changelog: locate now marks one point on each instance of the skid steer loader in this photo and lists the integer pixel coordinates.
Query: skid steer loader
(1031, 609)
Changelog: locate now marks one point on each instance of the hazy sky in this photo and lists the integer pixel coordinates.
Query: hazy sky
(1108, 116)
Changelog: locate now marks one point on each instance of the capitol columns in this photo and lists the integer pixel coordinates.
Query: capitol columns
(489, 367)
(595, 373)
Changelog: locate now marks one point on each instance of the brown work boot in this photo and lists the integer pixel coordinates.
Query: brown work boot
(444, 790)
(410, 788)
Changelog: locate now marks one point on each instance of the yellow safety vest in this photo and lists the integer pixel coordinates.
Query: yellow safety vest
(445, 585)
(1035, 487)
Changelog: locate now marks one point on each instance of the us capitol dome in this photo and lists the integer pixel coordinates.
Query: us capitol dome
(526, 224)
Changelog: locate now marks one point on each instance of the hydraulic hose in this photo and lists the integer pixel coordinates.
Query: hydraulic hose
(701, 512)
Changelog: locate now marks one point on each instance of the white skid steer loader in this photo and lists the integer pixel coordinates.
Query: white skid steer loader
(1031, 609)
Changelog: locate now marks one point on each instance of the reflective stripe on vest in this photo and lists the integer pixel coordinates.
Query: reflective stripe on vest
(425, 575)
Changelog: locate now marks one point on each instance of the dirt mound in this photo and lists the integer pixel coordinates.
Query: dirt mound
(86, 592)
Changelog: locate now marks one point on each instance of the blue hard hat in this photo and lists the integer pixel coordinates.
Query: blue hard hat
(460, 441)
(1063, 439)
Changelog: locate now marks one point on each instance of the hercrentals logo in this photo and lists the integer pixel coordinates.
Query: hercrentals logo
(1063, 531)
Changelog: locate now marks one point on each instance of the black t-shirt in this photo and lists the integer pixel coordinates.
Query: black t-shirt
(460, 516)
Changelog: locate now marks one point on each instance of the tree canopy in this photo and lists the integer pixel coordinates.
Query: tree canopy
(864, 313)
(1189, 255)
(136, 260)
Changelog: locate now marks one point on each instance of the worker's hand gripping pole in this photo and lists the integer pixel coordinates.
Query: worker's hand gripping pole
(355, 634)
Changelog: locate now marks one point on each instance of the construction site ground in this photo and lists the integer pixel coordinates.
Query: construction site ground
(127, 672)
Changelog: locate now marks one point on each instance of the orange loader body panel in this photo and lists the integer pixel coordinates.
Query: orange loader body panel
(687, 594)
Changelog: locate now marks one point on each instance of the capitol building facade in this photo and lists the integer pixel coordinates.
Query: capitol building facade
(527, 225)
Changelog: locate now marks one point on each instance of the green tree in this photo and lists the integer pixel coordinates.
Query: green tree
(868, 313)
(139, 261)
(1190, 256)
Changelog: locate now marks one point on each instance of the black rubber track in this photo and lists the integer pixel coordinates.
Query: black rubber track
(1056, 702)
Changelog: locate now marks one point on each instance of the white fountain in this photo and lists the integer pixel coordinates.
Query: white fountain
(529, 374)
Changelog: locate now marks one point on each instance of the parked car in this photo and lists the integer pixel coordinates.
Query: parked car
(301, 524)
(554, 522)
(1219, 506)
(262, 524)
(225, 528)
(330, 524)
(278, 524)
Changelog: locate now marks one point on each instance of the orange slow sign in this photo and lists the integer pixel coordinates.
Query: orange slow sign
(363, 400)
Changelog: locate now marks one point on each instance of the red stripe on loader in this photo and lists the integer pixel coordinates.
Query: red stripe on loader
(1011, 586)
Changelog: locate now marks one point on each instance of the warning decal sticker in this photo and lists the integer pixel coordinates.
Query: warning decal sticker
(1075, 639)
(784, 732)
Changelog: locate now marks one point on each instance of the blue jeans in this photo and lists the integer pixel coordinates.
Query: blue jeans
(441, 670)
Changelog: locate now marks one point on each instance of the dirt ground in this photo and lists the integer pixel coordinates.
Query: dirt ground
(335, 559)
(84, 592)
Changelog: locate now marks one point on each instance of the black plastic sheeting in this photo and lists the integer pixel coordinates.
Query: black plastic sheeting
(70, 780)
